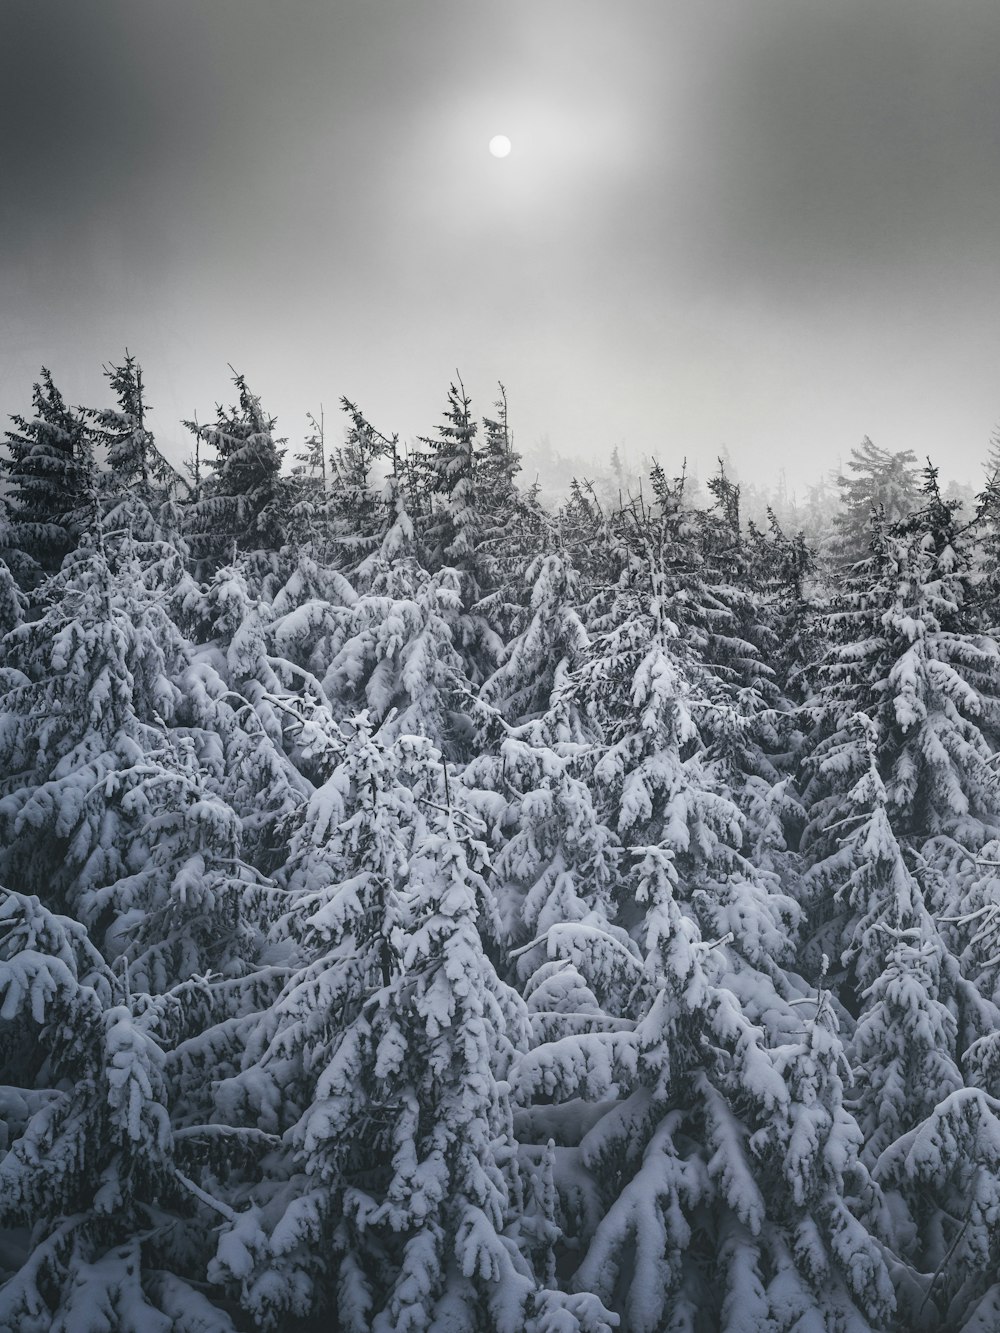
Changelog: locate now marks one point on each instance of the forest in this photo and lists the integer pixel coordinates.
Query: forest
(426, 906)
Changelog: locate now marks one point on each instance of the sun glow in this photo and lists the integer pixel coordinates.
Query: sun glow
(500, 145)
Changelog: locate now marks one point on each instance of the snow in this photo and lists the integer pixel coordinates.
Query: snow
(424, 912)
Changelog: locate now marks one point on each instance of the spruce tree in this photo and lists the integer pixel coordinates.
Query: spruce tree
(555, 868)
(699, 1151)
(396, 651)
(90, 691)
(987, 524)
(50, 475)
(551, 645)
(139, 480)
(498, 462)
(13, 602)
(906, 657)
(378, 1067)
(243, 502)
(882, 483)
(89, 1163)
(674, 1183)
(447, 470)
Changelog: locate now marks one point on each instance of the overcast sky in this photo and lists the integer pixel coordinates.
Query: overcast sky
(766, 224)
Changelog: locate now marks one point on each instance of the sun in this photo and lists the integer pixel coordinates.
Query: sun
(500, 145)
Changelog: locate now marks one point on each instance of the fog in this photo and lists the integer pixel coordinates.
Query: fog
(767, 227)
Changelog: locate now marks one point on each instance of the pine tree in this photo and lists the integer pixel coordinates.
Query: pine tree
(188, 905)
(550, 646)
(814, 1144)
(987, 525)
(498, 464)
(458, 523)
(918, 1020)
(243, 722)
(244, 501)
(751, 725)
(453, 1180)
(784, 569)
(397, 1150)
(397, 655)
(355, 498)
(907, 656)
(310, 487)
(90, 692)
(695, 1167)
(409, 890)
(949, 1166)
(447, 469)
(139, 480)
(644, 688)
(674, 1185)
(882, 483)
(89, 1161)
(554, 871)
(513, 531)
(13, 602)
(695, 567)
(306, 617)
(346, 877)
(907, 1035)
(50, 474)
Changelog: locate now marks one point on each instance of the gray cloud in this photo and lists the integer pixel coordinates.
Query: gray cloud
(756, 224)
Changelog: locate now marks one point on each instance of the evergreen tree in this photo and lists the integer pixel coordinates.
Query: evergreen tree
(789, 606)
(88, 1163)
(139, 479)
(397, 1147)
(243, 503)
(187, 903)
(307, 617)
(881, 483)
(906, 658)
(987, 524)
(917, 1016)
(498, 464)
(310, 488)
(447, 470)
(346, 877)
(554, 872)
(813, 1145)
(907, 1033)
(713, 932)
(659, 790)
(13, 602)
(50, 475)
(89, 692)
(355, 501)
(950, 1167)
(413, 892)
(693, 1198)
(696, 567)
(396, 652)
(237, 714)
(550, 646)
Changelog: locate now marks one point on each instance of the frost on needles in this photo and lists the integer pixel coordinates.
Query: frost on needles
(430, 907)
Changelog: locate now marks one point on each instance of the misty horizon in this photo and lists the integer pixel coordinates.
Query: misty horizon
(756, 228)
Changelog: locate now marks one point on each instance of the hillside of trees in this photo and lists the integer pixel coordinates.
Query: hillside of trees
(425, 908)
